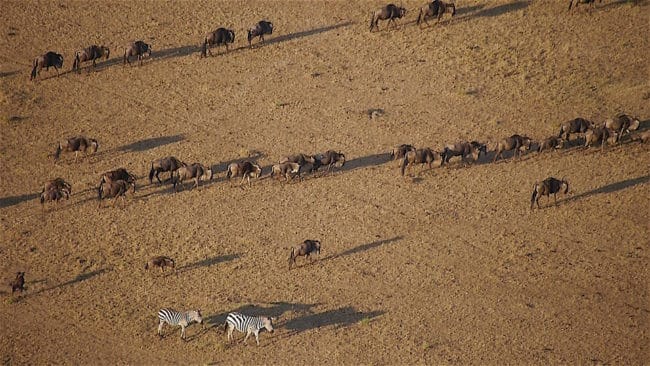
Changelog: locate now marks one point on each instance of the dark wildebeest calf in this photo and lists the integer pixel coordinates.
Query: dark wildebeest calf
(546, 188)
(113, 189)
(219, 37)
(390, 12)
(514, 142)
(76, 144)
(160, 262)
(419, 156)
(576, 125)
(195, 171)
(330, 158)
(90, 53)
(592, 2)
(137, 48)
(168, 164)
(306, 248)
(48, 59)
(246, 169)
(463, 149)
(18, 284)
(259, 30)
(436, 8)
(118, 174)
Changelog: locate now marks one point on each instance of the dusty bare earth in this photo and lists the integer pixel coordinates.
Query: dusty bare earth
(443, 266)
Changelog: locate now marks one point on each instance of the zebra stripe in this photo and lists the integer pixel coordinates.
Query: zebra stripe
(248, 324)
(176, 318)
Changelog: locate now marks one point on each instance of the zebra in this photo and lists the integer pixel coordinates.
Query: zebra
(182, 318)
(248, 324)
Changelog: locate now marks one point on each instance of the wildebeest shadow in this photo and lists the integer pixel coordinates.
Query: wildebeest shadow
(366, 161)
(208, 262)
(644, 125)
(151, 143)
(79, 278)
(501, 9)
(5, 74)
(14, 200)
(341, 317)
(364, 247)
(301, 34)
(174, 52)
(614, 187)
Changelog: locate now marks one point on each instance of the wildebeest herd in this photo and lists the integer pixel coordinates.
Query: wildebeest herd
(116, 183)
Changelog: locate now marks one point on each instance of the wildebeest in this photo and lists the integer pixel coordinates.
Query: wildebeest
(622, 124)
(137, 48)
(436, 8)
(168, 164)
(76, 144)
(390, 12)
(419, 156)
(552, 142)
(161, 262)
(400, 150)
(576, 125)
(246, 169)
(113, 189)
(463, 149)
(52, 195)
(118, 174)
(48, 59)
(286, 169)
(18, 284)
(259, 30)
(548, 186)
(306, 248)
(300, 159)
(90, 53)
(58, 184)
(514, 142)
(221, 36)
(592, 2)
(600, 134)
(330, 158)
(195, 171)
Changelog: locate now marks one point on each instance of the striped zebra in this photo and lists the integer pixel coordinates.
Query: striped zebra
(248, 324)
(182, 318)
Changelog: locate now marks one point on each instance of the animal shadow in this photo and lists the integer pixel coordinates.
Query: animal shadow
(14, 200)
(610, 188)
(151, 143)
(208, 262)
(339, 318)
(364, 247)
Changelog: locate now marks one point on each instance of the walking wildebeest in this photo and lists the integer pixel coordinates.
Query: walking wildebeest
(419, 156)
(300, 159)
(52, 195)
(259, 30)
(400, 150)
(161, 262)
(514, 142)
(600, 134)
(552, 142)
(546, 188)
(576, 125)
(622, 124)
(195, 171)
(18, 283)
(463, 149)
(390, 12)
(118, 174)
(90, 53)
(592, 2)
(246, 169)
(436, 8)
(60, 185)
(306, 248)
(137, 48)
(286, 169)
(329, 158)
(48, 59)
(221, 36)
(76, 144)
(168, 164)
(113, 189)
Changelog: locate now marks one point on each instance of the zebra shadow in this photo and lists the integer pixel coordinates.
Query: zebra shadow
(338, 318)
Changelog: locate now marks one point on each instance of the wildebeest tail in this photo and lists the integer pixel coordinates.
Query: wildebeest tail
(204, 48)
(151, 173)
(100, 189)
(75, 64)
(57, 153)
(35, 65)
(404, 164)
(291, 256)
(372, 20)
(419, 17)
(534, 195)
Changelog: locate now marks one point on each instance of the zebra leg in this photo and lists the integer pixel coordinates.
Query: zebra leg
(257, 337)
(160, 328)
(248, 333)
(182, 331)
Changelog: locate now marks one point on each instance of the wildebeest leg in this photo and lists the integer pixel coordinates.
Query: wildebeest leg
(76, 153)
(555, 198)
(196, 183)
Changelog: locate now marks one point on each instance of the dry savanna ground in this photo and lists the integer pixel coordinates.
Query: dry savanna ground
(442, 266)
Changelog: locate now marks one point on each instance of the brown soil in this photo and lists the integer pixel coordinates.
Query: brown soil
(447, 265)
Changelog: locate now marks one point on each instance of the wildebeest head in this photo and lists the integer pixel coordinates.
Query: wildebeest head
(231, 36)
(105, 51)
(58, 61)
(565, 183)
(94, 145)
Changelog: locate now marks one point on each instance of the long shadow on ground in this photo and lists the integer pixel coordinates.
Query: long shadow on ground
(610, 188)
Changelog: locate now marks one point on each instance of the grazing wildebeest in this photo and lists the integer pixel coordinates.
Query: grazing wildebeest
(600, 134)
(419, 156)
(400, 150)
(286, 169)
(300, 159)
(221, 36)
(546, 188)
(259, 30)
(18, 284)
(118, 174)
(514, 142)
(195, 171)
(436, 8)
(592, 2)
(113, 189)
(90, 53)
(552, 142)
(390, 12)
(246, 169)
(137, 48)
(168, 164)
(329, 158)
(60, 185)
(622, 124)
(463, 149)
(576, 125)
(306, 248)
(48, 59)
(76, 144)
(52, 195)
(161, 262)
